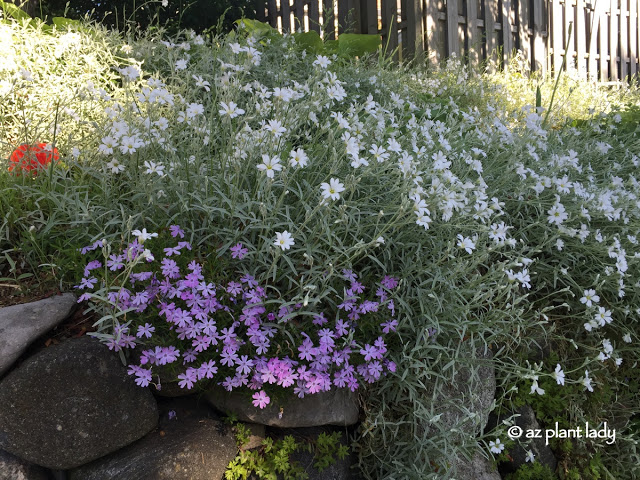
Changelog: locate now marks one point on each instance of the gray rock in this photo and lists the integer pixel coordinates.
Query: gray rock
(336, 407)
(13, 468)
(463, 402)
(187, 446)
(478, 468)
(543, 454)
(72, 403)
(20, 325)
(257, 433)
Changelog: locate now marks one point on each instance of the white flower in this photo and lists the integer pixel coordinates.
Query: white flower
(497, 446)
(535, 388)
(181, 64)
(557, 214)
(130, 73)
(590, 297)
(332, 189)
(284, 240)
(115, 166)
(603, 316)
(379, 241)
(298, 158)
(626, 338)
(322, 61)
(466, 243)
(153, 167)
(143, 235)
(530, 457)
(275, 127)
(230, 109)
(586, 381)
(200, 82)
(270, 165)
(559, 375)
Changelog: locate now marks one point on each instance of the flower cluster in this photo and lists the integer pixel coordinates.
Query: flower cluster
(32, 158)
(231, 332)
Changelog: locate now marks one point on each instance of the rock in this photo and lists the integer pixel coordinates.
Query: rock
(20, 325)
(257, 433)
(12, 468)
(336, 407)
(543, 454)
(339, 470)
(478, 468)
(464, 403)
(72, 403)
(190, 444)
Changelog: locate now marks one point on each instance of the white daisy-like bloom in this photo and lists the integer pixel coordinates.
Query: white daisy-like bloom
(270, 165)
(284, 240)
(332, 189)
(466, 244)
(230, 109)
(496, 446)
(590, 298)
(143, 235)
(298, 158)
(115, 166)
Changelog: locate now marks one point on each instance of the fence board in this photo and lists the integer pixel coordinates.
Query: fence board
(432, 13)
(580, 34)
(390, 26)
(604, 43)
(624, 40)
(633, 37)
(594, 26)
(453, 44)
(473, 41)
(507, 39)
(523, 29)
(415, 32)
(568, 42)
(613, 40)
(314, 16)
(540, 50)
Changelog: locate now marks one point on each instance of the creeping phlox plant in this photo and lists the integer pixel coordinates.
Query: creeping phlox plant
(236, 332)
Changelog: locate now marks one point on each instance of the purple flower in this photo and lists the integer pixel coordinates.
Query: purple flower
(389, 282)
(145, 330)
(169, 251)
(349, 275)
(92, 247)
(207, 369)
(188, 378)
(172, 414)
(389, 326)
(260, 399)
(176, 231)
(238, 251)
(92, 266)
(319, 319)
(87, 283)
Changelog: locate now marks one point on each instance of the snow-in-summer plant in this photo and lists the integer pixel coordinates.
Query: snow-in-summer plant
(508, 230)
(234, 333)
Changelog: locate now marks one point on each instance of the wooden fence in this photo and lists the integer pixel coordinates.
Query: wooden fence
(603, 45)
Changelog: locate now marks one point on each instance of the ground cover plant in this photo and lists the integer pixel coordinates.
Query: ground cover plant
(393, 224)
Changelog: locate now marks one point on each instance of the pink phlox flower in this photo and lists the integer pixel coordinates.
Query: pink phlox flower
(189, 356)
(260, 399)
(188, 378)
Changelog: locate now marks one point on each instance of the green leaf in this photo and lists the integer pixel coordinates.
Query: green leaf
(63, 23)
(10, 10)
(356, 44)
(256, 28)
(310, 41)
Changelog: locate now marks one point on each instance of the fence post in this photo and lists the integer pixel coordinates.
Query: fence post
(415, 30)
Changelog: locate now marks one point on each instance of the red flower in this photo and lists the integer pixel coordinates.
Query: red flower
(32, 157)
